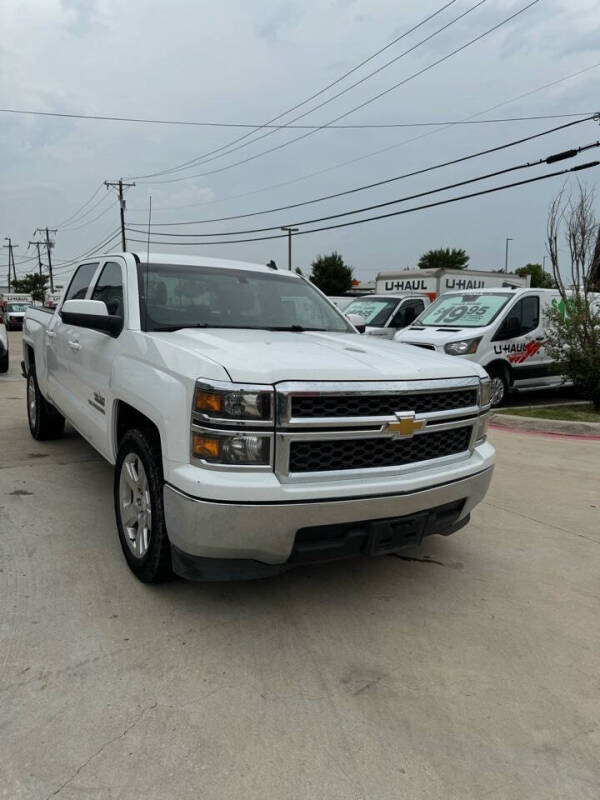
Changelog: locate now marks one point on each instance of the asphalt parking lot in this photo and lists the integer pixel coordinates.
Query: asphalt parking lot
(468, 669)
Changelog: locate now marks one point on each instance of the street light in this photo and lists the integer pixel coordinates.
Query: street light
(290, 231)
(508, 239)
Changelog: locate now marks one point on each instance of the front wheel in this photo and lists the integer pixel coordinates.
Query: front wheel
(4, 362)
(139, 507)
(499, 387)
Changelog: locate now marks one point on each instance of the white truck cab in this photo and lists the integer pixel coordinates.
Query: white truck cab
(503, 330)
(251, 427)
(385, 314)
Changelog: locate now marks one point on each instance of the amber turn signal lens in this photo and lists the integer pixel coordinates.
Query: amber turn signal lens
(208, 401)
(206, 447)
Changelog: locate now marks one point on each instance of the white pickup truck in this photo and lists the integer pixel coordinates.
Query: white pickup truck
(251, 427)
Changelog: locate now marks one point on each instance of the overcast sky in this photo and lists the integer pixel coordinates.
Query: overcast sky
(236, 61)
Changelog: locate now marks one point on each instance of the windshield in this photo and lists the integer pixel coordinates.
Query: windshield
(17, 306)
(174, 296)
(374, 310)
(463, 310)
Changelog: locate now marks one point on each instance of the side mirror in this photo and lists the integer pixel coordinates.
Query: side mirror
(358, 321)
(91, 314)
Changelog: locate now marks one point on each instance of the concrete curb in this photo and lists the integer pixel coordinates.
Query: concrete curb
(546, 425)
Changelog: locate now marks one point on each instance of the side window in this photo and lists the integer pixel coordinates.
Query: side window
(530, 314)
(523, 317)
(80, 281)
(407, 313)
(109, 288)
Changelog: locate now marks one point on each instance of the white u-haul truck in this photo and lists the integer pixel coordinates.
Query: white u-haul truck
(503, 330)
(401, 296)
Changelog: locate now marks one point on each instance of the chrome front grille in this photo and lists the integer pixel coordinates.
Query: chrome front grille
(345, 454)
(368, 405)
(346, 429)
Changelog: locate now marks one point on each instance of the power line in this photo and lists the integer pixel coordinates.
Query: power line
(527, 165)
(90, 221)
(284, 126)
(352, 161)
(105, 241)
(230, 150)
(384, 182)
(315, 94)
(387, 215)
(87, 202)
(225, 151)
(378, 96)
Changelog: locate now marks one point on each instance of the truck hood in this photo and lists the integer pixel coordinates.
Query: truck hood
(260, 356)
(437, 336)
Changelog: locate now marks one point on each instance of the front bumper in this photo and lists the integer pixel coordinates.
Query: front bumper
(267, 532)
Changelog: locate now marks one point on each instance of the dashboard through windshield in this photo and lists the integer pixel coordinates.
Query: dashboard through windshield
(174, 296)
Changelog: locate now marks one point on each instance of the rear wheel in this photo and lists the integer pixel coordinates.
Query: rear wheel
(139, 507)
(4, 362)
(45, 422)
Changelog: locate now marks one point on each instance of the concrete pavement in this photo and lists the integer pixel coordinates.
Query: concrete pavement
(468, 669)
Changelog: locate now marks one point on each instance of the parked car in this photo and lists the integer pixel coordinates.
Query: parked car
(503, 330)
(251, 428)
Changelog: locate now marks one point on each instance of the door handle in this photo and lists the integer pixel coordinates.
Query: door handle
(74, 345)
(540, 338)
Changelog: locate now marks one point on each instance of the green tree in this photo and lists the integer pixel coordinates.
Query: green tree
(33, 283)
(331, 275)
(574, 321)
(444, 258)
(540, 279)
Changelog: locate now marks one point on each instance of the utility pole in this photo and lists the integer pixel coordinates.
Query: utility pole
(11, 258)
(120, 185)
(37, 245)
(49, 245)
(506, 254)
(290, 231)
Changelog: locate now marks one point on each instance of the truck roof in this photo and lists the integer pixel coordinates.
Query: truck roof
(501, 290)
(201, 261)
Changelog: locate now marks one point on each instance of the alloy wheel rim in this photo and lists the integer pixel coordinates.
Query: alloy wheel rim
(497, 391)
(31, 402)
(134, 505)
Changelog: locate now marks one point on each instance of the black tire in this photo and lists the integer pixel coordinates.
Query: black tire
(500, 385)
(4, 362)
(145, 543)
(45, 422)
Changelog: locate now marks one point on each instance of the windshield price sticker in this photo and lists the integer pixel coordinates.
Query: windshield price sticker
(464, 312)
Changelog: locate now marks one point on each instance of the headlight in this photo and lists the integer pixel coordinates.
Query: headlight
(463, 348)
(228, 402)
(485, 392)
(242, 449)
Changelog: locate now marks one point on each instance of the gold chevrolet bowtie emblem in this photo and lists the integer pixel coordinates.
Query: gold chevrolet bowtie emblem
(407, 425)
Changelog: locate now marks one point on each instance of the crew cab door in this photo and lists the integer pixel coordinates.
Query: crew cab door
(97, 355)
(520, 339)
(63, 349)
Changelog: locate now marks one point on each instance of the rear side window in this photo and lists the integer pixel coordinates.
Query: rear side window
(80, 281)
(109, 288)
